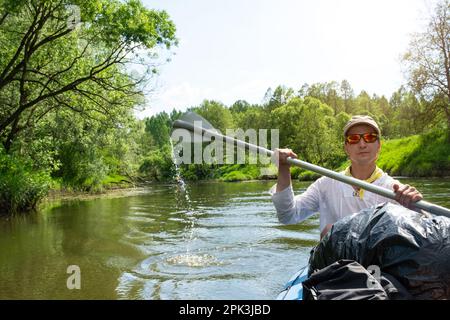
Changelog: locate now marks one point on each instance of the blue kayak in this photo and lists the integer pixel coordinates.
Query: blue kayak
(293, 290)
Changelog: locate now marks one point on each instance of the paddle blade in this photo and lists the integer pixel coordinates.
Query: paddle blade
(199, 122)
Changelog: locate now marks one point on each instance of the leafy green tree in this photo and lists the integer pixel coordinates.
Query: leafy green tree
(240, 106)
(363, 104)
(278, 97)
(48, 64)
(21, 188)
(347, 94)
(159, 126)
(341, 120)
(174, 115)
(428, 60)
(410, 114)
(158, 165)
(254, 117)
(217, 114)
(328, 92)
(308, 127)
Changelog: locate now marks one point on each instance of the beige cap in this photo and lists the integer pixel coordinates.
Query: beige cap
(361, 120)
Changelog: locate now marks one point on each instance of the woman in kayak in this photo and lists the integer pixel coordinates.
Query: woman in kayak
(334, 199)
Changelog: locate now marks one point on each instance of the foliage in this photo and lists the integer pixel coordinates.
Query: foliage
(68, 92)
(159, 128)
(418, 155)
(47, 64)
(312, 129)
(217, 114)
(427, 60)
(234, 176)
(67, 97)
(21, 187)
(308, 176)
(308, 126)
(158, 165)
(116, 181)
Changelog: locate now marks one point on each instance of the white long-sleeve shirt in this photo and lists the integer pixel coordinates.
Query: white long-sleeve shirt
(332, 199)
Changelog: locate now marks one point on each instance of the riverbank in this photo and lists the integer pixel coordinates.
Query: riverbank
(426, 155)
(65, 195)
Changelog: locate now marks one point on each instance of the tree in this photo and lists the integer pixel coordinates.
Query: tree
(347, 95)
(428, 60)
(278, 97)
(327, 92)
(159, 127)
(332, 97)
(48, 64)
(363, 103)
(308, 126)
(239, 106)
(253, 118)
(217, 114)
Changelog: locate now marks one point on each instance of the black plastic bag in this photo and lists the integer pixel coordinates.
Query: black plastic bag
(412, 247)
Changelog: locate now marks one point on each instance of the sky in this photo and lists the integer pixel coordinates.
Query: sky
(233, 50)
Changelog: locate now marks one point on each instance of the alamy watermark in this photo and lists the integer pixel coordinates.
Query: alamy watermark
(375, 271)
(74, 280)
(202, 147)
(74, 18)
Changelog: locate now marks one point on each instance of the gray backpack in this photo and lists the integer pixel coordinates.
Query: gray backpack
(348, 280)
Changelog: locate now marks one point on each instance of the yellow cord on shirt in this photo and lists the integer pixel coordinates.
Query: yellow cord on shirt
(377, 173)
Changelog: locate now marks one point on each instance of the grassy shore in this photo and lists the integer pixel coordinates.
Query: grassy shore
(426, 155)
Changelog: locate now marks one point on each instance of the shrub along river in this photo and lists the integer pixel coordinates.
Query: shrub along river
(208, 241)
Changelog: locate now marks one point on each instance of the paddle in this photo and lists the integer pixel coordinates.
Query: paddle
(207, 130)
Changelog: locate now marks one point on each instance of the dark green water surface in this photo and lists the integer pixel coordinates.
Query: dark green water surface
(214, 241)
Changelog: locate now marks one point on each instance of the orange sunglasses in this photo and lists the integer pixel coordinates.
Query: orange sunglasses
(367, 137)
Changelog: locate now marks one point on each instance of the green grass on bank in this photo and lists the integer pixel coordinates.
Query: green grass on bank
(426, 155)
(417, 156)
(241, 172)
(111, 181)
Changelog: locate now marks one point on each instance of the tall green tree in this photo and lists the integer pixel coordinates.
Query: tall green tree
(428, 60)
(278, 97)
(239, 106)
(159, 127)
(409, 114)
(254, 117)
(327, 92)
(363, 104)
(347, 94)
(217, 114)
(308, 126)
(47, 63)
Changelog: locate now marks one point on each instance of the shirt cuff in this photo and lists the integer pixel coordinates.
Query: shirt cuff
(283, 194)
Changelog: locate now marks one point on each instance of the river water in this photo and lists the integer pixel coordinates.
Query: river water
(204, 241)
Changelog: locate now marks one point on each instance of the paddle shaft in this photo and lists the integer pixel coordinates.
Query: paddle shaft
(422, 204)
